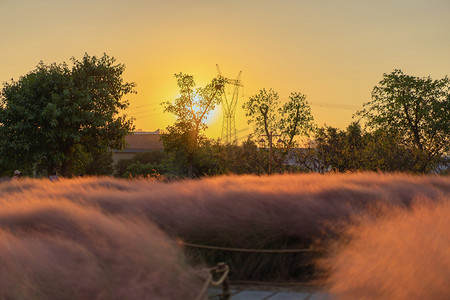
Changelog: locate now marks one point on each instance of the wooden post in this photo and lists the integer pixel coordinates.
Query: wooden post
(221, 267)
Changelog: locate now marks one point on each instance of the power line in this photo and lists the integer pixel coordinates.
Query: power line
(146, 115)
(335, 105)
(142, 106)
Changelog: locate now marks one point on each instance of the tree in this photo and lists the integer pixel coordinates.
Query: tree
(291, 119)
(354, 149)
(329, 144)
(191, 109)
(416, 110)
(56, 114)
(241, 159)
(262, 111)
(296, 119)
(383, 151)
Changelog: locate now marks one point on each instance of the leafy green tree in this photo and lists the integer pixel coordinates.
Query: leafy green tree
(271, 119)
(56, 114)
(191, 108)
(416, 110)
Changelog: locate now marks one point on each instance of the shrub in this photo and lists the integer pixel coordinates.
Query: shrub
(141, 164)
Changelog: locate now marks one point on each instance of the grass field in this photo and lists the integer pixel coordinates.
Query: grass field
(100, 238)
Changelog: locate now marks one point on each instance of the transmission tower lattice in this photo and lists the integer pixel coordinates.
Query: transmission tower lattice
(229, 108)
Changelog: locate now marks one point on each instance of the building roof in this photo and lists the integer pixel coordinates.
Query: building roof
(142, 141)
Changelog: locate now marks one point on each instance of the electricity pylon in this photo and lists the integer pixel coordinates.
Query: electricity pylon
(229, 108)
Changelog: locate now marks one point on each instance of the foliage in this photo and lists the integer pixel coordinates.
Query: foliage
(191, 109)
(261, 109)
(215, 158)
(137, 169)
(296, 119)
(56, 114)
(245, 159)
(383, 151)
(6, 169)
(90, 162)
(212, 158)
(354, 149)
(205, 160)
(142, 164)
(291, 119)
(416, 110)
(100, 164)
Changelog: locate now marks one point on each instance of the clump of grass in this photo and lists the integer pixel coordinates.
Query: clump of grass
(402, 254)
(57, 249)
(250, 212)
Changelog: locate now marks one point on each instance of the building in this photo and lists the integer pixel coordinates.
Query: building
(137, 142)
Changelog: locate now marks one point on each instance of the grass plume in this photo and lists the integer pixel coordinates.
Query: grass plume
(401, 254)
(52, 248)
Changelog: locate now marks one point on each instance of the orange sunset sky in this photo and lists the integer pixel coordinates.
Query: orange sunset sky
(333, 51)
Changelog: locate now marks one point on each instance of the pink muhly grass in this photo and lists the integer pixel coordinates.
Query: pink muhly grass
(266, 212)
(56, 249)
(402, 254)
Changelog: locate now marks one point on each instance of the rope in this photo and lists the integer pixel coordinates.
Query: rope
(204, 288)
(225, 269)
(224, 276)
(248, 250)
(210, 280)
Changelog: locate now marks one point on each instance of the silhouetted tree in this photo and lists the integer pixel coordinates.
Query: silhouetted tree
(288, 121)
(184, 138)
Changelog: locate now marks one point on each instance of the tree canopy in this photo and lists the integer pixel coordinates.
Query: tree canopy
(417, 111)
(191, 109)
(291, 119)
(273, 119)
(296, 118)
(56, 115)
(354, 149)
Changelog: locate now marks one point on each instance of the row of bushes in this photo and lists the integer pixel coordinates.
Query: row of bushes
(332, 149)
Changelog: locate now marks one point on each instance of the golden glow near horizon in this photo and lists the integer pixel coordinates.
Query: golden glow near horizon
(335, 52)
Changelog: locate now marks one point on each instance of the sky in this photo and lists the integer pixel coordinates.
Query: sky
(333, 51)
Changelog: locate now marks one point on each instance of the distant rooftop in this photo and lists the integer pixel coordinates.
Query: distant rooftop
(140, 131)
(140, 141)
